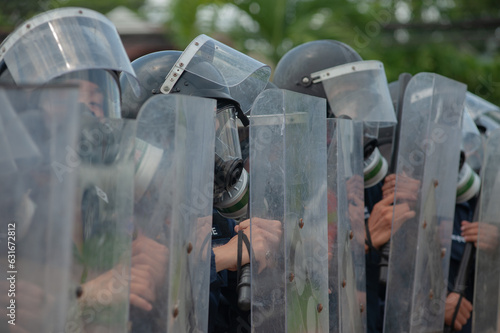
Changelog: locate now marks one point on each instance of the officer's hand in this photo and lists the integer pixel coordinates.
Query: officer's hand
(407, 187)
(266, 236)
(203, 235)
(147, 251)
(486, 239)
(355, 188)
(31, 306)
(142, 287)
(463, 313)
(149, 262)
(380, 220)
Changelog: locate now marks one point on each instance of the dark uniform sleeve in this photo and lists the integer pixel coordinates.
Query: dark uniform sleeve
(463, 211)
(375, 294)
(222, 232)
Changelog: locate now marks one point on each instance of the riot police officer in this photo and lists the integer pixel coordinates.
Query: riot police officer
(175, 72)
(314, 77)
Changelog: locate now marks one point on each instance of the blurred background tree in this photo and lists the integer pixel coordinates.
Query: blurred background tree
(459, 39)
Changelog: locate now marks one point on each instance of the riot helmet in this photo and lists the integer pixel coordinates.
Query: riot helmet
(203, 79)
(151, 70)
(295, 68)
(354, 89)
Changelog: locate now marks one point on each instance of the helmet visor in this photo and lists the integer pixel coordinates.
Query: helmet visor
(61, 41)
(99, 93)
(244, 76)
(477, 106)
(358, 90)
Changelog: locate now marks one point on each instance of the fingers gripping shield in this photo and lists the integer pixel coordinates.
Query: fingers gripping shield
(173, 214)
(487, 289)
(37, 209)
(288, 200)
(424, 204)
(346, 257)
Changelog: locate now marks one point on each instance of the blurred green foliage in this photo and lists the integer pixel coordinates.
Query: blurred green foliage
(454, 38)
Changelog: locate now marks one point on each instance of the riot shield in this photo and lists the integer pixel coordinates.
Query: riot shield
(486, 305)
(173, 213)
(288, 184)
(346, 233)
(427, 170)
(36, 208)
(103, 225)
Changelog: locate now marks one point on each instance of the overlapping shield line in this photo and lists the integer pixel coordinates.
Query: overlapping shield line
(104, 207)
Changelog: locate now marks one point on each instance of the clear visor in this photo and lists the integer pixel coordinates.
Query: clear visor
(227, 145)
(244, 76)
(477, 106)
(99, 93)
(489, 120)
(61, 41)
(358, 90)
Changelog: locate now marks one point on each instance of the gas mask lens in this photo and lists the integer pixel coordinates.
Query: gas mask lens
(231, 180)
(228, 161)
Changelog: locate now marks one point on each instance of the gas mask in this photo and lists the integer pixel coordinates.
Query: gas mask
(230, 178)
(469, 183)
(374, 165)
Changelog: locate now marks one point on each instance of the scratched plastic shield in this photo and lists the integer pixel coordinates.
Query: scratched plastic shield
(427, 172)
(346, 232)
(487, 276)
(173, 210)
(288, 184)
(36, 206)
(100, 274)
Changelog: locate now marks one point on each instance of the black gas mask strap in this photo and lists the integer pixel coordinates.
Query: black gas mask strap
(242, 117)
(243, 288)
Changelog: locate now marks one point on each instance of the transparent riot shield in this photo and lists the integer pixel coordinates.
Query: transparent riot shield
(288, 184)
(103, 225)
(346, 233)
(486, 305)
(36, 207)
(427, 170)
(173, 214)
